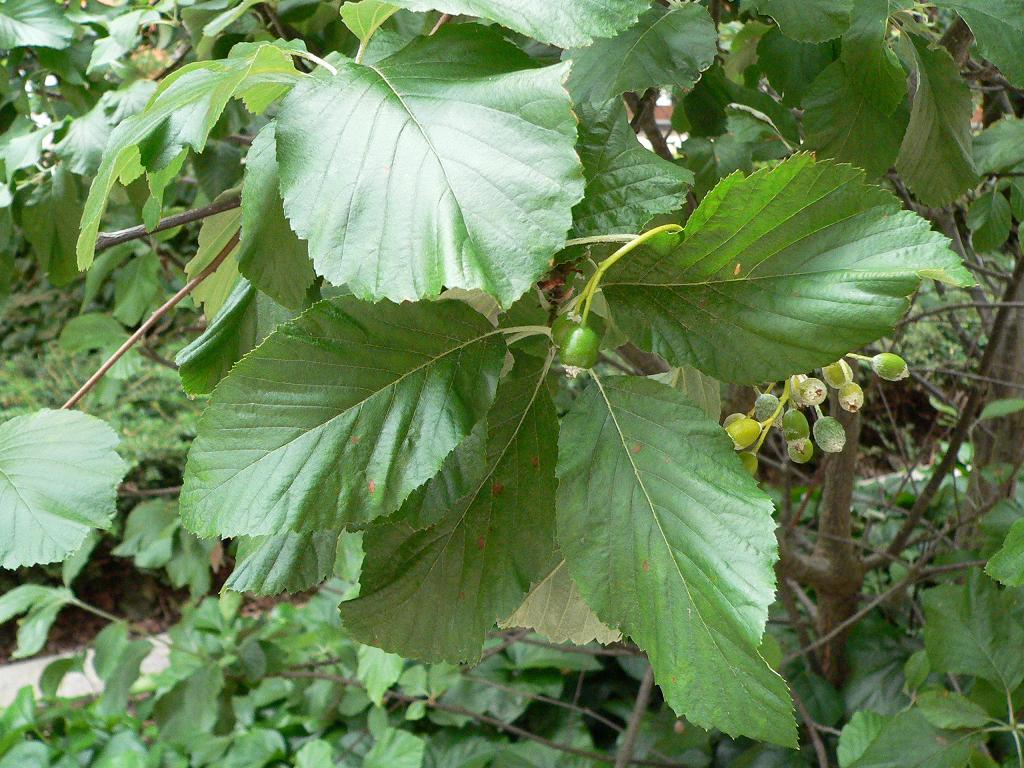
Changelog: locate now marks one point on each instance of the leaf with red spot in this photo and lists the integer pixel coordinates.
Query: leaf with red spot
(466, 550)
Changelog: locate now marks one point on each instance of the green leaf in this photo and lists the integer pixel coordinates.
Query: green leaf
(779, 272)
(989, 218)
(510, 149)
(117, 662)
(314, 754)
(562, 24)
(59, 474)
(626, 184)
(998, 27)
(1000, 147)
(50, 224)
(364, 17)
(811, 21)
(908, 740)
(136, 286)
(935, 158)
(396, 749)
(945, 709)
(40, 606)
(41, 23)
(245, 319)
(1007, 564)
(378, 670)
(857, 735)
(791, 66)
(270, 254)
(667, 46)
(670, 540)
(214, 236)
(433, 592)
(283, 562)
(854, 110)
(338, 415)
(972, 629)
(844, 122)
(555, 609)
(190, 707)
(181, 114)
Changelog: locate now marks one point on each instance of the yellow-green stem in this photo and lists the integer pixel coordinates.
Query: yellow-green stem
(591, 287)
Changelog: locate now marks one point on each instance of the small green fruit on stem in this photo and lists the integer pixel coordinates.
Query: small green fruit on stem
(837, 374)
(765, 406)
(800, 451)
(581, 348)
(813, 391)
(829, 434)
(744, 432)
(851, 397)
(889, 366)
(560, 329)
(795, 426)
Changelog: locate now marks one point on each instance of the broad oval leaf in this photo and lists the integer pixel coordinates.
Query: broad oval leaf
(338, 415)
(59, 474)
(998, 27)
(780, 272)
(560, 23)
(34, 22)
(667, 46)
(432, 593)
(670, 540)
(448, 164)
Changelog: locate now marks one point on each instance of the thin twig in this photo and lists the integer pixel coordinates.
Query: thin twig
(109, 239)
(643, 697)
(163, 310)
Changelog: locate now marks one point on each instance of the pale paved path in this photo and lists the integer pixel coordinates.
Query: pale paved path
(13, 677)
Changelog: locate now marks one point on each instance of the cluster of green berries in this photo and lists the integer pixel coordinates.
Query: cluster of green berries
(801, 392)
(578, 345)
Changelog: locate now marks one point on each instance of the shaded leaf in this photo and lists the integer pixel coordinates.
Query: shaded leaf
(338, 415)
(666, 47)
(432, 593)
(269, 253)
(809, 20)
(998, 27)
(626, 184)
(555, 609)
(670, 540)
(935, 158)
(283, 562)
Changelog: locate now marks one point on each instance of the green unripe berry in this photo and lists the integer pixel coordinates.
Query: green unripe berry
(795, 382)
(744, 432)
(851, 397)
(795, 426)
(560, 329)
(813, 391)
(733, 417)
(837, 374)
(749, 462)
(664, 243)
(889, 366)
(829, 434)
(581, 348)
(765, 406)
(800, 451)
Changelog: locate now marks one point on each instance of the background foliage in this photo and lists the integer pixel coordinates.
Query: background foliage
(826, 160)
